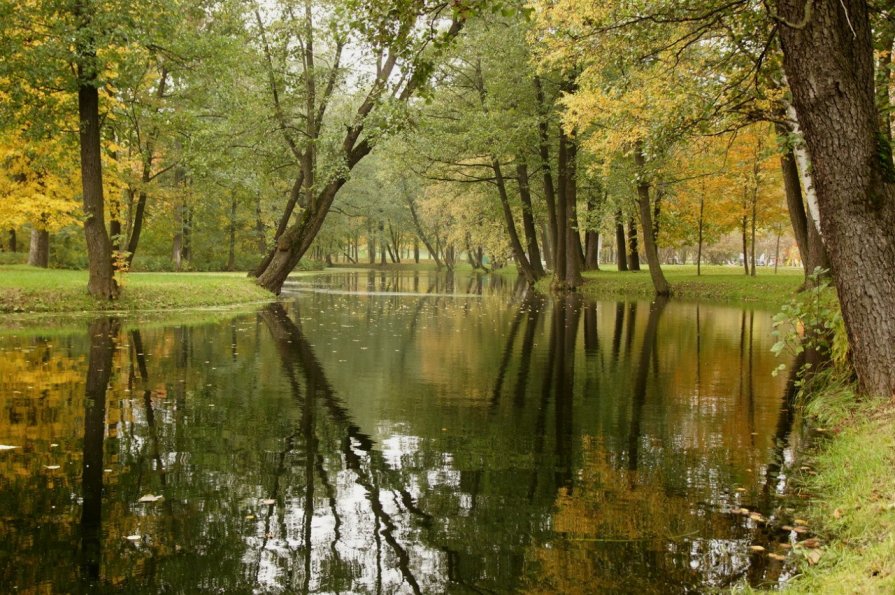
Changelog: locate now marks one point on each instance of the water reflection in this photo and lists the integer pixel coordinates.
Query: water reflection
(471, 437)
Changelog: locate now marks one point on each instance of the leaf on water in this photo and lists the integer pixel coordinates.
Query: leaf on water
(268, 502)
(813, 556)
(134, 537)
(787, 527)
(778, 557)
(757, 517)
(250, 517)
(756, 548)
(51, 467)
(150, 498)
(800, 529)
(741, 490)
(7, 447)
(800, 521)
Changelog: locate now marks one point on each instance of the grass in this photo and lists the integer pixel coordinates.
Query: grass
(25, 289)
(716, 284)
(853, 487)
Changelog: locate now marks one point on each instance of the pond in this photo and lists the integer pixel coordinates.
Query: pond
(389, 433)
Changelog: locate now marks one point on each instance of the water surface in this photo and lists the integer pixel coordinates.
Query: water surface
(383, 433)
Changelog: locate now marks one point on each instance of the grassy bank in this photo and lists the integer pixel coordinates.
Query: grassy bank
(716, 284)
(852, 484)
(25, 289)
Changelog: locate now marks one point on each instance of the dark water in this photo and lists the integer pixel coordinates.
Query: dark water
(376, 433)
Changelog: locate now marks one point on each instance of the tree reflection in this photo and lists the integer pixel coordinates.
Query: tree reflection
(103, 333)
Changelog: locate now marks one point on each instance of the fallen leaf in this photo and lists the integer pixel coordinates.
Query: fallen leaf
(786, 546)
(268, 502)
(800, 529)
(787, 527)
(800, 521)
(134, 537)
(51, 467)
(757, 517)
(756, 548)
(812, 543)
(741, 489)
(250, 517)
(150, 498)
(774, 556)
(813, 556)
(7, 447)
(837, 514)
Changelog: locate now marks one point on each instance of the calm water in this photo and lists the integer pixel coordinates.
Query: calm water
(376, 433)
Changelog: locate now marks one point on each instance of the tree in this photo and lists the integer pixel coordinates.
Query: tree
(828, 57)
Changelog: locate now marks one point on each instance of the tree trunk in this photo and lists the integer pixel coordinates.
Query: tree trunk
(525, 267)
(621, 251)
(550, 247)
(560, 243)
(528, 220)
(416, 250)
(701, 227)
(259, 226)
(574, 251)
(39, 252)
(231, 249)
(633, 250)
(744, 226)
(101, 281)
(649, 241)
(591, 239)
(433, 251)
(754, 216)
(282, 226)
(829, 65)
(13, 245)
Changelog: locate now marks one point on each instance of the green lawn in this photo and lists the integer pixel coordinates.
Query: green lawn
(716, 284)
(30, 289)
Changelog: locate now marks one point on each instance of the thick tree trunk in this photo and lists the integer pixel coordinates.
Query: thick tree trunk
(282, 226)
(621, 250)
(744, 226)
(416, 250)
(13, 245)
(591, 239)
(660, 284)
(528, 221)
(547, 244)
(39, 252)
(830, 67)
(633, 249)
(101, 280)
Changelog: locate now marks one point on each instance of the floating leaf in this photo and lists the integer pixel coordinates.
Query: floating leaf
(7, 447)
(134, 537)
(150, 498)
(811, 543)
(51, 467)
(774, 556)
(268, 502)
(756, 548)
(250, 517)
(800, 521)
(800, 529)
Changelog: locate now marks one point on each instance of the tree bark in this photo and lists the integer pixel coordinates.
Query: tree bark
(231, 248)
(574, 252)
(528, 220)
(549, 190)
(39, 251)
(621, 250)
(830, 68)
(13, 245)
(525, 267)
(101, 280)
(660, 284)
(633, 249)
